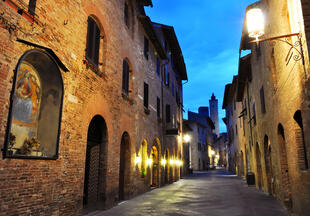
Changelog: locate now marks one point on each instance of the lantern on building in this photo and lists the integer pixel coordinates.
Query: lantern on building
(255, 22)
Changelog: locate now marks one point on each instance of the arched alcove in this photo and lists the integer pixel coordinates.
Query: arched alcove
(36, 106)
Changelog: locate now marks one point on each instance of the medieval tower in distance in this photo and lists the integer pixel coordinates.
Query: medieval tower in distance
(213, 104)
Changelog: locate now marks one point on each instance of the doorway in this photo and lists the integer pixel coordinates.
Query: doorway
(155, 167)
(94, 163)
(124, 167)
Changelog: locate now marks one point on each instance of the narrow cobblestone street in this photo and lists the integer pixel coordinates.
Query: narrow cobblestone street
(215, 193)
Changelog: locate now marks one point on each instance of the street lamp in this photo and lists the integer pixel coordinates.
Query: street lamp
(163, 162)
(255, 24)
(186, 138)
(149, 161)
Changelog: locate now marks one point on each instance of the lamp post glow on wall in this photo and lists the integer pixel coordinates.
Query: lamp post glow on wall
(255, 23)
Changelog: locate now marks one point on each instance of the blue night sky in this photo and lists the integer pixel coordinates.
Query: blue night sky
(209, 34)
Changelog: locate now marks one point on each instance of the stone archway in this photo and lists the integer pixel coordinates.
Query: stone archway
(285, 179)
(124, 167)
(167, 167)
(268, 164)
(258, 167)
(154, 180)
(94, 164)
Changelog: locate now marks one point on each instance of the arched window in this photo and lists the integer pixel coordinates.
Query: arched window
(126, 14)
(35, 112)
(93, 42)
(300, 141)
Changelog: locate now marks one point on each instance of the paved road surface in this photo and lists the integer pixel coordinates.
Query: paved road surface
(215, 193)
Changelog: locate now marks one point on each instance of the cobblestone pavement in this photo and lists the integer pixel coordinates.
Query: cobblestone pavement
(214, 193)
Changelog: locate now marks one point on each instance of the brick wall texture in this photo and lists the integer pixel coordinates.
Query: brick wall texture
(56, 187)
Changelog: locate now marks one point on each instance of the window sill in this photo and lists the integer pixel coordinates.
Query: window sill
(127, 98)
(147, 111)
(94, 68)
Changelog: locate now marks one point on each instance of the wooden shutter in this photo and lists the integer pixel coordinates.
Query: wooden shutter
(146, 95)
(158, 67)
(96, 44)
(146, 48)
(158, 107)
(168, 113)
(32, 6)
(125, 83)
(93, 42)
(126, 15)
(262, 100)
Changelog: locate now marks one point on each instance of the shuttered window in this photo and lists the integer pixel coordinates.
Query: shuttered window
(158, 67)
(146, 48)
(126, 15)
(254, 114)
(262, 100)
(168, 115)
(125, 83)
(146, 95)
(32, 6)
(158, 107)
(93, 42)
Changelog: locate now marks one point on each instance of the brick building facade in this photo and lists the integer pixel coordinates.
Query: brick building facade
(271, 93)
(87, 116)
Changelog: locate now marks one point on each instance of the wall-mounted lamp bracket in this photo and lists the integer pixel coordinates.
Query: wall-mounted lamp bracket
(293, 46)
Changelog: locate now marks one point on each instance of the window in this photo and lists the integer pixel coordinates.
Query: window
(126, 15)
(146, 95)
(199, 146)
(35, 112)
(172, 89)
(93, 42)
(125, 83)
(236, 130)
(166, 74)
(166, 46)
(254, 114)
(262, 100)
(158, 67)
(168, 117)
(146, 48)
(158, 107)
(32, 6)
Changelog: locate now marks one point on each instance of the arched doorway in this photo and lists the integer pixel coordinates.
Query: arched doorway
(124, 167)
(179, 165)
(268, 164)
(167, 167)
(285, 180)
(258, 167)
(300, 142)
(172, 165)
(94, 163)
(155, 167)
(241, 164)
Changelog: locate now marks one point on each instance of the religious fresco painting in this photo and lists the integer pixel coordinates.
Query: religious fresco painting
(35, 108)
(23, 137)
